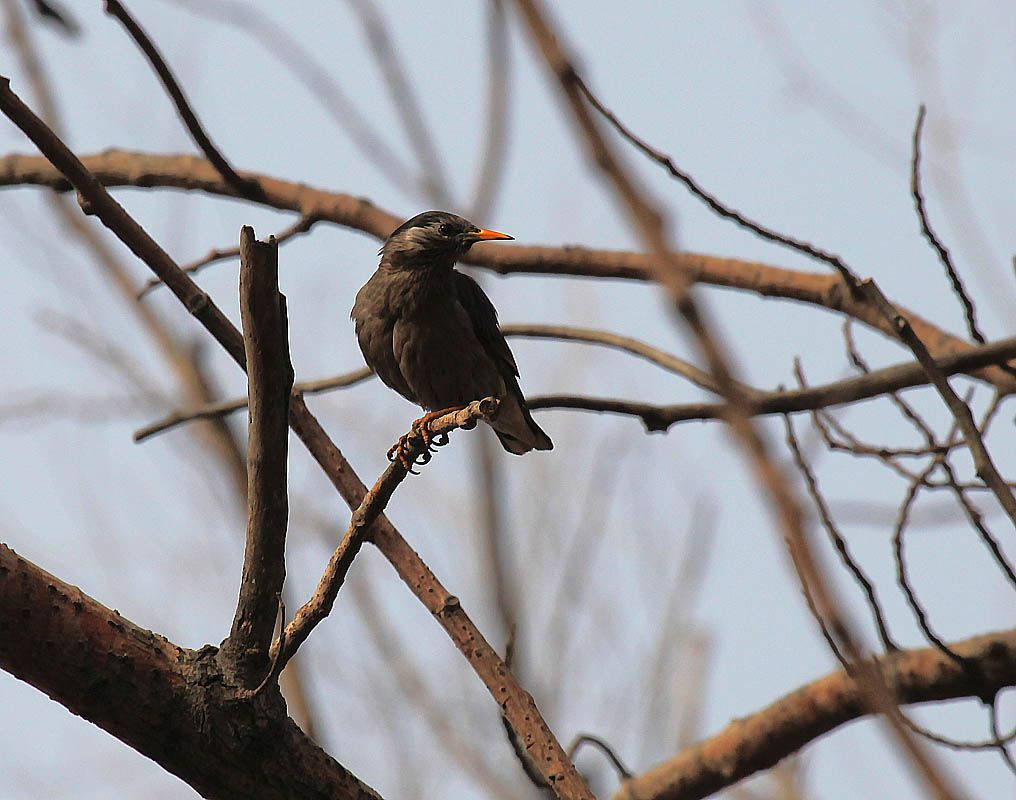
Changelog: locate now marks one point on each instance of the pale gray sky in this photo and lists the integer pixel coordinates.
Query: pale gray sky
(798, 114)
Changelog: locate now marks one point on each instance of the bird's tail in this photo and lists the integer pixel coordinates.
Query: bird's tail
(515, 427)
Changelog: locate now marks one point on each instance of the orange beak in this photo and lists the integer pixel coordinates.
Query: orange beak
(484, 235)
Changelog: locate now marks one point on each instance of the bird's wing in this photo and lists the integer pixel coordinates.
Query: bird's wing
(483, 315)
(375, 333)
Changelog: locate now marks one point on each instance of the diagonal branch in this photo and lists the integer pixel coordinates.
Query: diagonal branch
(983, 463)
(373, 504)
(247, 187)
(224, 407)
(270, 379)
(649, 222)
(302, 225)
(711, 200)
(760, 740)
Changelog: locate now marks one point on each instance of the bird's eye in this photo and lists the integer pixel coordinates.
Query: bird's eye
(446, 229)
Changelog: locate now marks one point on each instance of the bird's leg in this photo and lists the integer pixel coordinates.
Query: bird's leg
(420, 428)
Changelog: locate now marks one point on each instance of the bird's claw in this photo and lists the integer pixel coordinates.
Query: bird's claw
(399, 452)
(419, 432)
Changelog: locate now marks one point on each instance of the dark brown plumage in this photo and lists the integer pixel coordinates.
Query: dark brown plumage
(431, 334)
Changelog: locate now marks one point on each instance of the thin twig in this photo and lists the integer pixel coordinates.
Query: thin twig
(316, 78)
(224, 407)
(275, 666)
(973, 514)
(932, 237)
(983, 463)
(372, 505)
(247, 187)
(1003, 750)
(901, 565)
(587, 738)
(838, 541)
(850, 390)
(669, 362)
(956, 744)
(302, 225)
(714, 204)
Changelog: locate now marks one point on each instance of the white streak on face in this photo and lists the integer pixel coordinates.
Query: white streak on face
(416, 239)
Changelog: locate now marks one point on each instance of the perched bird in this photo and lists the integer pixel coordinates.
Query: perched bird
(431, 334)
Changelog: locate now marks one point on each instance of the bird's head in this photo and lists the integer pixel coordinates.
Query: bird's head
(433, 238)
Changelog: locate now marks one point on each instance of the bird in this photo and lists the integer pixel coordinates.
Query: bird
(431, 334)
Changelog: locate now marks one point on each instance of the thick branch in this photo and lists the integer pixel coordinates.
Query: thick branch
(121, 168)
(269, 379)
(759, 741)
(148, 692)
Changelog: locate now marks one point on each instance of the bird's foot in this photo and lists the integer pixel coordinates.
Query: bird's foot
(401, 449)
(420, 430)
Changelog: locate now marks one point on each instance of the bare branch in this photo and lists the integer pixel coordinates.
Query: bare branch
(302, 225)
(224, 407)
(121, 223)
(372, 505)
(120, 168)
(270, 378)
(516, 704)
(837, 539)
(850, 390)
(983, 463)
(710, 200)
(315, 76)
(932, 237)
(247, 187)
(595, 741)
(759, 741)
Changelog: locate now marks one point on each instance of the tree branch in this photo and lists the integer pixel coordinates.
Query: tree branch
(649, 222)
(121, 168)
(149, 693)
(224, 407)
(983, 463)
(270, 379)
(759, 741)
(371, 506)
(662, 417)
(516, 704)
(247, 187)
